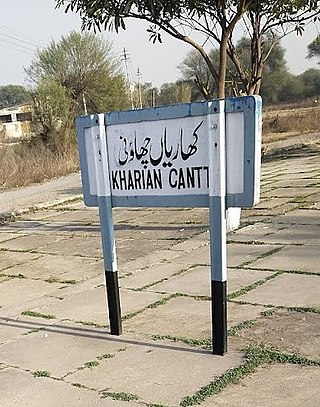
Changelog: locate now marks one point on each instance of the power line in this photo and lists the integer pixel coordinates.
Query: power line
(125, 58)
(17, 36)
(19, 40)
(13, 46)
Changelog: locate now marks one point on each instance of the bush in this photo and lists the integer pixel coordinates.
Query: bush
(32, 162)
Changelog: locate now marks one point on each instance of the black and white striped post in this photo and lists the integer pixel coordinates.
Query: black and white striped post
(106, 225)
(217, 199)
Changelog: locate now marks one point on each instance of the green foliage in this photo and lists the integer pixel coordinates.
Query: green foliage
(311, 83)
(41, 373)
(120, 396)
(38, 315)
(52, 108)
(195, 71)
(314, 48)
(11, 95)
(76, 75)
(176, 92)
(83, 64)
(213, 22)
(91, 364)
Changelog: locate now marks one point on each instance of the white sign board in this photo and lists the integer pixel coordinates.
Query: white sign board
(169, 157)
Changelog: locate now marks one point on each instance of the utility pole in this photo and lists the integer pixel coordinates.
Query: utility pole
(125, 58)
(139, 87)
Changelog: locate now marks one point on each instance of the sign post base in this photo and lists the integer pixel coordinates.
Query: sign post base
(219, 317)
(113, 302)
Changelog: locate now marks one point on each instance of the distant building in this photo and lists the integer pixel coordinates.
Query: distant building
(15, 122)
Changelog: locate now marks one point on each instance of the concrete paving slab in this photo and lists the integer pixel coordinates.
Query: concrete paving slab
(288, 176)
(270, 204)
(63, 268)
(201, 255)
(290, 192)
(295, 234)
(31, 242)
(7, 236)
(131, 249)
(129, 215)
(294, 183)
(150, 275)
(60, 350)
(8, 332)
(154, 258)
(288, 290)
(9, 259)
(186, 317)
(18, 291)
(238, 254)
(292, 258)
(179, 216)
(255, 232)
(152, 232)
(42, 391)
(81, 216)
(90, 305)
(269, 213)
(191, 244)
(89, 246)
(273, 385)
(289, 331)
(198, 281)
(300, 216)
(314, 205)
(171, 372)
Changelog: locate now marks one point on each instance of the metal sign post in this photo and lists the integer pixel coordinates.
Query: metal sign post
(218, 245)
(204, 154)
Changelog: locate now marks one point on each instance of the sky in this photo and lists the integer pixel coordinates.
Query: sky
(26, 26)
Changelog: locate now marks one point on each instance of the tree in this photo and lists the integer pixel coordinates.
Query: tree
(11, 95)
(195, 71)
(174, 92)
(311, 83)
(51, 107)
(213, 21)
(314, 49)
(84, 66)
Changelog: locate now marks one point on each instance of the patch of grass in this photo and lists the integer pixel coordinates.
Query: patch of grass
(33, 331)
(151, 306)
(255, 356)
(262, 256)
(253, 286)
(38, 315)
(272, 355)
(41, 373)
(68, 281)
(304, 309)
(268, 312)
(52, 280)
(20, 276)
(120, 396)
(298, 199)
(90, 323)
(106, 356)
(156, 405)
(91, 364)
(78, 385)
(206, 343)
(177, 273)
(242, 325)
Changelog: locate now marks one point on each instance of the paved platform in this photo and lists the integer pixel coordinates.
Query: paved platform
(55, 345)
